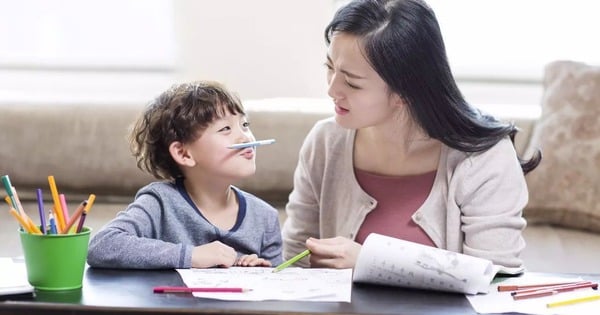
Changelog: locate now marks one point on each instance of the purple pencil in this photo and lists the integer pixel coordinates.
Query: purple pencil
(40, 200)
(81, 220)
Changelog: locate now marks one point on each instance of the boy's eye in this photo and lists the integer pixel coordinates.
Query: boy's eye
(246, 124)
(226, 128)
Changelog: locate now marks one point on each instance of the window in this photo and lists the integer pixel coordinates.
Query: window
(78, 49)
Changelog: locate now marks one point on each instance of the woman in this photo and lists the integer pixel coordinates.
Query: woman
(405, 155)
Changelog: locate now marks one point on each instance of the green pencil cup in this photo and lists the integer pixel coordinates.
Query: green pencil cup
(55, 261)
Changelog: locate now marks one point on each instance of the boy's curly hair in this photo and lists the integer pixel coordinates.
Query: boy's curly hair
(181, 114)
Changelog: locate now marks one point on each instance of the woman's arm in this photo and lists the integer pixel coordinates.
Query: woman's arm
(491, 196)
(302, 208)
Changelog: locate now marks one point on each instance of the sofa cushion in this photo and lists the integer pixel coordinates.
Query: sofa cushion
(565, 188)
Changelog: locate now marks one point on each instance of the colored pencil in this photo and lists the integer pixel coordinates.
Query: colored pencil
(78, 212)
(530, 286)
(21, 221)
(195, 289)
(52, 223)
(581, 284)
(292, 261)
(40, 200)
(81, 221)
(60, 221)
(574, 301)
(9, 191)
(554, 290)
(63, 205)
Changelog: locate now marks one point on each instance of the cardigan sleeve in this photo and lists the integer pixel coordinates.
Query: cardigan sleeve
(302, 208)
(491, 195)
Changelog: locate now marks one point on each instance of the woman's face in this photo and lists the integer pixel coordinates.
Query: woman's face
(361, 97)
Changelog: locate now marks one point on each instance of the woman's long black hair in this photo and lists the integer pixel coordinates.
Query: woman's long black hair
(403, 42)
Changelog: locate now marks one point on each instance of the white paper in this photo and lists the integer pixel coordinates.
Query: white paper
(13, 276)
(502, 302)
(391, 261)
(292, 283)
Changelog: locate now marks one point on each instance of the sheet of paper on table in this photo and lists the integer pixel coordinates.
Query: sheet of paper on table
(13, 276)
(502, 302)
(297, 284)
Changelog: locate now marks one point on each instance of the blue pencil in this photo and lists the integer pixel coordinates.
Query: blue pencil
(40, 200)
(52, 223)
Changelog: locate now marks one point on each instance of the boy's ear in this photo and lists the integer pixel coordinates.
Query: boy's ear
(180, 154)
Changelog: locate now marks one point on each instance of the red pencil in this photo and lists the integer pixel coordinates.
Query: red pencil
(553, 290)
(582, 284)
(187, 289)
(531, 286)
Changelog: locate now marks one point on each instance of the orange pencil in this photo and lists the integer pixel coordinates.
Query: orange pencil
(22, 221)
(57, 207)
(83, 207)
(30, 226)
(75, 216)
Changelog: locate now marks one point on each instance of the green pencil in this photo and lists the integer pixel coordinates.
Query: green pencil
(292, 261)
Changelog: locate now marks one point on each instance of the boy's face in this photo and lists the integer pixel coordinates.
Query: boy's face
(213, 158)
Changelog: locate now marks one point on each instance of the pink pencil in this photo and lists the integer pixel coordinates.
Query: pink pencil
(187, 289)
(65, 209)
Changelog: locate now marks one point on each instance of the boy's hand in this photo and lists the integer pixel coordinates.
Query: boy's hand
(213, 254)
(252, 261)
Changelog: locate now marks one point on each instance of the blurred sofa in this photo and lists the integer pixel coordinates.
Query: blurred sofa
(86, 150)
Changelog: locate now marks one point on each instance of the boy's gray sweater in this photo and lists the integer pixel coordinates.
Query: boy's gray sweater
(162, 226)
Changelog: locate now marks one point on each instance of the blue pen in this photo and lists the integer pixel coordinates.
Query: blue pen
(52, 223)
(40, 200)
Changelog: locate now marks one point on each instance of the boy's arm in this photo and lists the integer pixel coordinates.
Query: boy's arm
(132, 240)
(272, 248)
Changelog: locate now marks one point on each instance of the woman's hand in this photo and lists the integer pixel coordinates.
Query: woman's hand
(338, 252)
(252, 261)
(213, 254)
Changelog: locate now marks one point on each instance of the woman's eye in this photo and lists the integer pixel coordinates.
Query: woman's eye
(328, 66)
(352, 86)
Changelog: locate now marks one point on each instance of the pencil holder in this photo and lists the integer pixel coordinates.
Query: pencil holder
(55, 261)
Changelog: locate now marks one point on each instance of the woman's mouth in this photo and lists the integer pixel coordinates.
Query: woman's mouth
(340, 110)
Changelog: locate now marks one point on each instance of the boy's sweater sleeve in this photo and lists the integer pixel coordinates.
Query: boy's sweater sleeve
(132, 240)
(272, 242)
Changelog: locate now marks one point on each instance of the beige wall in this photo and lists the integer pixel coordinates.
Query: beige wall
(259, 48)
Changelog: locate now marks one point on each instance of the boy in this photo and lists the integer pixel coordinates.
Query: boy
(193, 217)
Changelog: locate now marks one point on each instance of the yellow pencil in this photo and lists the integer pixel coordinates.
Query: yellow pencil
(90, 202)
(61, 224)
(30, 226)
(574, 301)
(22, 221)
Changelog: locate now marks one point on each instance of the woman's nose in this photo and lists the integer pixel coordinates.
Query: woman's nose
(333, 90)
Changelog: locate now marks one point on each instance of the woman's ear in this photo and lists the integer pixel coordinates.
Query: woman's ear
(180, 154)
(398, 101)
